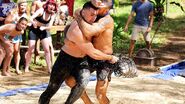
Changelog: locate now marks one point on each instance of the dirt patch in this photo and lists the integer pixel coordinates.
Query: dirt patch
(139, 90)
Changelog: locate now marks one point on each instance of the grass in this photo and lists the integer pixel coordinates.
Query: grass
(174, 21)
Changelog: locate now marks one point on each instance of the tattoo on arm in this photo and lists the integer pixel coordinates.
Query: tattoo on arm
(94, 28)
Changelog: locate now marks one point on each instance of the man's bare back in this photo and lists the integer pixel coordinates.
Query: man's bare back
(36, 5)
(103, 41)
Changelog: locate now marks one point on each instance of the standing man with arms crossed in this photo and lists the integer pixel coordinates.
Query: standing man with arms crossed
(102, 32)
(70, 59)
(12, 30)
(143, 22)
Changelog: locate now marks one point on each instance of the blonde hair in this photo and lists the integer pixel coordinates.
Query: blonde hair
(21, 1)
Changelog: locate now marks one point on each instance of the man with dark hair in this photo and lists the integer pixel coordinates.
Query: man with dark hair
(11, 30)
(71, 59)
(143, 22)
(102, 32)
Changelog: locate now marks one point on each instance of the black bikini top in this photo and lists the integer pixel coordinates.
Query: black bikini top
(41, 20)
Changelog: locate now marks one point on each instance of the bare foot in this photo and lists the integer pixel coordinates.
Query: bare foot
(27, 70)
(18, 72)
(6, 74)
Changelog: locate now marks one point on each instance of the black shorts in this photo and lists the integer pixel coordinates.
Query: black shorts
(101, 67)
(36, 33)
(65, 61)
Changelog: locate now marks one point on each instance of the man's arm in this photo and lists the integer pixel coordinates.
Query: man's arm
(76, 36)
(151, 21)
(9, 18)
(33, 7)
(95, 28)
(129, 20)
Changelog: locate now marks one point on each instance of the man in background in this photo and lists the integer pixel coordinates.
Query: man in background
(143, 22)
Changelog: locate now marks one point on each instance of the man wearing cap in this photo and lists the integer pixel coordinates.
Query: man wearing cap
(71, 59)
(143, 22)
(102, 32)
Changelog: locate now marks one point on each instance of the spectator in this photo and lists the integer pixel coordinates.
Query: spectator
(42, 17)
(5, 7)
(37, 4)
(61, 19)
(12, 30)
(143, 22)
(62, 15)
(13, 17)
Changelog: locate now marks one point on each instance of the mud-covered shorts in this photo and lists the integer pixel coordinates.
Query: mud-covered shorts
(101, 67)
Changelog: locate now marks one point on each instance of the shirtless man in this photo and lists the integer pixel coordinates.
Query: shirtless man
(70, 59)
(11, 30)
(36, 5)
(103, 29)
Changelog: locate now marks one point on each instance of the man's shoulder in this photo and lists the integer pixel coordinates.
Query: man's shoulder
(150, 3)
(107, 17)
(74, 26)
(107, 20)
(74, 29)
(74, 33)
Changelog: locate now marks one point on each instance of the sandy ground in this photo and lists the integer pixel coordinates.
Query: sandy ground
(138, 90)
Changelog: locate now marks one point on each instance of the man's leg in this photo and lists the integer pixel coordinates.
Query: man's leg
(146, 36)
(131, 48)
(102, 83)
(82, 79)
(58, 75)
(71, 82)
(135, 31)
(101, 90)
